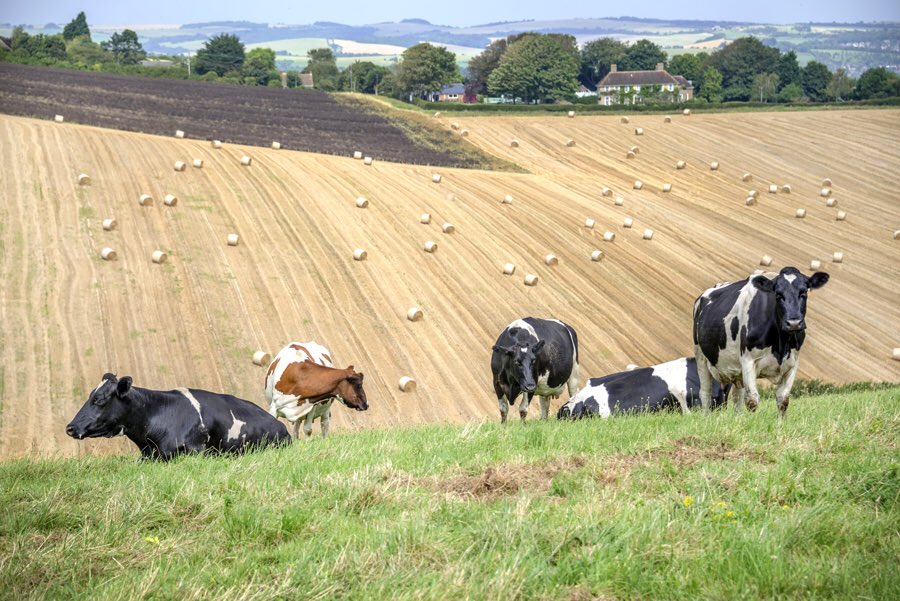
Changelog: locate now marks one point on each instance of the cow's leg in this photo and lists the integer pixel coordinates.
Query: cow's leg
(738, 399)
(682, 402)
(705, 379)
(296, 427)
(308, 424)
(523, 407)
(783, 392)
(326, 422)
(572, 382)
(748, 377)
(545, 406)
(504, 408)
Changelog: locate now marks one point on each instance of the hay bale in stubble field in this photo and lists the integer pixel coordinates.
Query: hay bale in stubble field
(765, 261)
(570, 143)
(648, 234)
(509, 269)
(638, 184)
(179, 133)
(84, 179)
(276, 145)
(362, 202)
(233, 239)
(714, 166)
(407, 384)
(619, 201)
(108, 254)
(414, 314)
(551, 260)
(360, 255)
(262, 358)
(596, 255)
(800, 214)
(680, 165)
(110, 224)
(609, 236)
(145, 200)
(179, 165)
(59, 118)
(217, 144)
(159, 256)
(430, 246)
(245, 161)
(531, 280)
(170, 200)
(747, 177)
(514, 143)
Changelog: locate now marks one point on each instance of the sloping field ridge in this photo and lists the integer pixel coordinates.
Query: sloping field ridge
(67, 316)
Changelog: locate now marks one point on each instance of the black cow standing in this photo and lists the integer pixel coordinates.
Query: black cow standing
(166, 424)
(645, 389)
(753, 328)
(534, 357)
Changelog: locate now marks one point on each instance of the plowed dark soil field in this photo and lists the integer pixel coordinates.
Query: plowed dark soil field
(298, 119)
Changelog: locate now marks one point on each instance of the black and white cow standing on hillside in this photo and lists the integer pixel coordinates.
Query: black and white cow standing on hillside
(645, 389)
(164, 424)
(752, 329)
(534, 357)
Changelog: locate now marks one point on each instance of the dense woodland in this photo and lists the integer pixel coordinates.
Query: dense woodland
(529, 68)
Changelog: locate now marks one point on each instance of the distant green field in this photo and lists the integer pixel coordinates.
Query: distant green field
(645, 507)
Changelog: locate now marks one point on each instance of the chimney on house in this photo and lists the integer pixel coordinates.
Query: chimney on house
(659, 66)
(612, 68)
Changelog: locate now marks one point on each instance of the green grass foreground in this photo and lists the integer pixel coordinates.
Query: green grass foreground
(647, 507)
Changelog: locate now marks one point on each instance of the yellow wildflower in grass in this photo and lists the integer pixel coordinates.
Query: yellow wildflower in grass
(688, 501)
(153, 540)
(729, 514)
(721, 504)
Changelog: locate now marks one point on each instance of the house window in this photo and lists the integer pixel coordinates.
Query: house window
(637, 88)
(453, 96)
(607, 100)
(671, 87)
(627, 88)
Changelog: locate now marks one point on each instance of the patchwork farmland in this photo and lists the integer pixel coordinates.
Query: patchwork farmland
(67, 316)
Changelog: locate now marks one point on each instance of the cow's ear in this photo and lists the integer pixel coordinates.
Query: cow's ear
(538, 346)
(817, 280)
(500, 349)
(109, 376)
(123, 387)
(763, 283)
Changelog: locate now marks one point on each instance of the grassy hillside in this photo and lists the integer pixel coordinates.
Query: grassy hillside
(650, 507)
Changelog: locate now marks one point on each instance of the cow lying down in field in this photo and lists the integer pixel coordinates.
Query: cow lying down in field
(664, 386)
(166, 424)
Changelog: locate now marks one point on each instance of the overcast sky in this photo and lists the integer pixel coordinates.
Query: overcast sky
(446, 12)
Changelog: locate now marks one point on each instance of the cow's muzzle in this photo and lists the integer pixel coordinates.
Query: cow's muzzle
(73, 432)
(795, 325)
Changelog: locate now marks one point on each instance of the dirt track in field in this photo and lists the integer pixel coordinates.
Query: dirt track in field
(66, 316)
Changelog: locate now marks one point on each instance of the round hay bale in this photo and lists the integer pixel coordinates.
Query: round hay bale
(454, 125)
(414, 314)
(531, 280)
(262, 358)
(635, 150)
(59, 118)
(233, 239)
(786, 189)
(170, 200)
(589, 223)
(773, 189)
(507, 200)
(360, 255)
(368, 160)
(436, 178)
(509, 269)
(896, 354)
(108, 254)
(638, 184)
(825, 192)
(217, 143)
(631, 367)
(648, 234)
(625, 119)
(110, 224)
(407, 384)
(464, 133)
(800, 213)
(606, 192)
(765, 261)
(180, 165)
(680, 165)
(686, 112)
(627, 222)
(619, 201)
(840, 216)
(753, 193)
(179, 133)
(245, 161)
(837, 257)
(630, 154)
(425, 218)
(570, 143)
(84, 179)
(750, 201)
(571, 114)
(514, 143)
(747, 177)
(609, 236)
(667, 119)
(831, 202)
(639, 131)
(430, 246)
(826, 183)
(159, 256)
(362, 202)
(448, 228)
(551, 260)
(145, 200)
(896, 234)
(714, 166)
(357, 155)
(596, 255)
(437, 114)
(815, 264)
(667, 188)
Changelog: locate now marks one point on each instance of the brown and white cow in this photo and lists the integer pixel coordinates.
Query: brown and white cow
(302, 382)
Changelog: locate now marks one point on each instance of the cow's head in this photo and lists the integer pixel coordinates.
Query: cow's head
(350, 390)
(790, 288)
(522, 358)
(102, 415)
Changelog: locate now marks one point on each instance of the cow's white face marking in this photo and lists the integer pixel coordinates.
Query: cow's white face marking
(194, 403)
(790, 277)
(524, 349)
(236, 425)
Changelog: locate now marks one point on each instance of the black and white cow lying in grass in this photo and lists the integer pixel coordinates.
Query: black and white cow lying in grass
(166, 424)
(750, 329)
(645, 389)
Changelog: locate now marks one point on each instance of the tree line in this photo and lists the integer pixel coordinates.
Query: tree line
(531, 67)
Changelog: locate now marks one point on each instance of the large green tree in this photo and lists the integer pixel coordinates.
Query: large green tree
(596, 58)
(764, 86)
(841, 85)
(125, 47)
(482, 65)
(739, 62)
(259, 67)
(814, 79)
(643, 55)
(539, 67)
(77, 27)
(788, 69)
(85, 53)
(425, 68)
(221, 53)
(362, 76)
(712, 85)
(42, 46)
(689, 66)
(877, 83)
(323, 66)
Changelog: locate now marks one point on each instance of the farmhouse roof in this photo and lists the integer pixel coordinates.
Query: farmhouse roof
(637, 78)
(453, 88)
(5, 43)
(306, 80)
(684, 83)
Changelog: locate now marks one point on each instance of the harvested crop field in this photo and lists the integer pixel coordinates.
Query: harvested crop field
(305, 120)
(67, 316)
